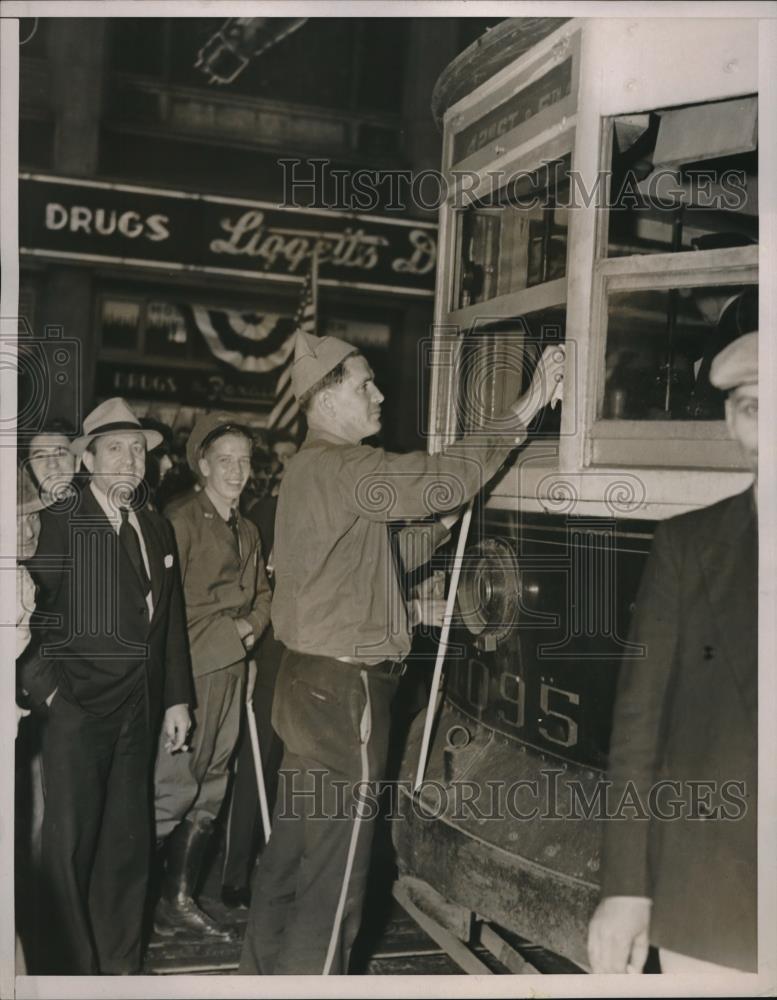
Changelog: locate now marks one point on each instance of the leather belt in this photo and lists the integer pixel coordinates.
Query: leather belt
(388, 668)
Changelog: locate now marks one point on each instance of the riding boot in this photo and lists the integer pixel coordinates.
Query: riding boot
(177, 910)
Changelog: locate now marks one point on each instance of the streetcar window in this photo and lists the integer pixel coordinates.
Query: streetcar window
(496, 367)
(684, 179)
(660, 343)
(516, 237)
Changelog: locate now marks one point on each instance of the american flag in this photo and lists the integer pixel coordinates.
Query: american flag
(286, 410)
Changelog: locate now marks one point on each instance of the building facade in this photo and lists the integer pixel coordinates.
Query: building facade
(177, 176)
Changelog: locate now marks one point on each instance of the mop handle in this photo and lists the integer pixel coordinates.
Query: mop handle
(257, 754)
(443, 645)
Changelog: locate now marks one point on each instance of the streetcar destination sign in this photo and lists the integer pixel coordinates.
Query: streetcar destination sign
(549, 90)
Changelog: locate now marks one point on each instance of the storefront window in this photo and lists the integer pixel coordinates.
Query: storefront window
(166, 333)
(120, 322)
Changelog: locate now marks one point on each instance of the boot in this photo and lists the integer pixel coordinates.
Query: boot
(177, 910)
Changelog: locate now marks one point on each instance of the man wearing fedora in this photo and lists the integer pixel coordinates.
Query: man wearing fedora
(684, 878)
(227, 600)
(109, 656)
(339, 611)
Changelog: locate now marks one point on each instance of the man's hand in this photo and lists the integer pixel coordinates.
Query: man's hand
(432, 611)
(545, 384)
(175, 727)
(618, 934)
(246, 632)
(428, 604)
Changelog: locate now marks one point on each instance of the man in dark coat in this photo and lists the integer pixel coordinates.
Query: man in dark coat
(110, 654)
(683, 875)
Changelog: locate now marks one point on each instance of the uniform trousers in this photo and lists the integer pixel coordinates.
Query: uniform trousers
(96, 834)
(308, 889)
(192, 784)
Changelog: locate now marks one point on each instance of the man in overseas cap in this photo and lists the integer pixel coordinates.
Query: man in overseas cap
(686, 715)
(111, 656)
(339, 610)
(227, 599)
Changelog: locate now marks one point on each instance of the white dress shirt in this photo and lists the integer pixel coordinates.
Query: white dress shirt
(114, 516)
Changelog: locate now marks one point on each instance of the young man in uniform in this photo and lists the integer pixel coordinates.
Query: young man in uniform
(339, 611)
(227, 599)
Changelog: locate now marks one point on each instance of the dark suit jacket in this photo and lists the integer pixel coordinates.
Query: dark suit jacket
(92, 635)
(687, 712)
(219, 586)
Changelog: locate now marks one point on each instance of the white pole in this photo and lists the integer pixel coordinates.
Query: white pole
(259, 770)
(443, 646)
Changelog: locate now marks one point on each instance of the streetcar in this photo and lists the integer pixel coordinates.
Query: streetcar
(601, 182)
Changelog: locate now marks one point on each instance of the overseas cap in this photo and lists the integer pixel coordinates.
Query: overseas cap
(204, 430)
(736, 364)
(315, 357)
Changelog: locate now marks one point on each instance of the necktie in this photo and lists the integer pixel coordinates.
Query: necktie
(131, 544)
(232, 525)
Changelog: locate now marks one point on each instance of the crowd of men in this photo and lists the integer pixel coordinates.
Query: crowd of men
(134, 630)
(152, 629)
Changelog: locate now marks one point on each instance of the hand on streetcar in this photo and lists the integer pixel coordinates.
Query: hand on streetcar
(546, 384)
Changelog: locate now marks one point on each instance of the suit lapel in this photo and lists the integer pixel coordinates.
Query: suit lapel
(729, 560)
(88, 507)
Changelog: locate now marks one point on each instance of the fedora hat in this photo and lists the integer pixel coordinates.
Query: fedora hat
(112, 417)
